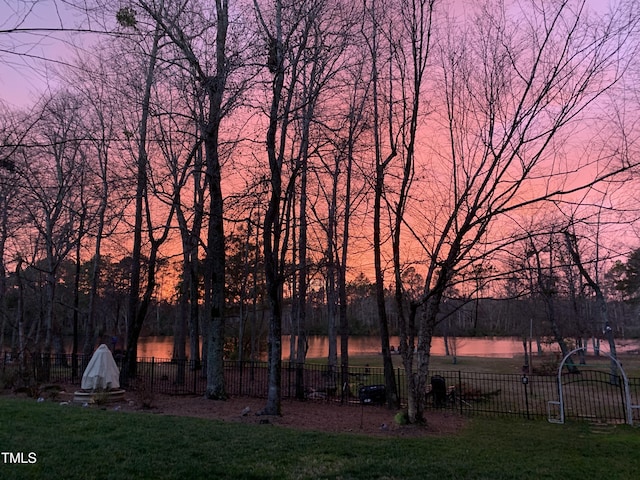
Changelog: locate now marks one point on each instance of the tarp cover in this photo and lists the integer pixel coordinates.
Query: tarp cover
(102, 371)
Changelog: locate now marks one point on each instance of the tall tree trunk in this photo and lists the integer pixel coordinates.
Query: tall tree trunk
(429, 320)
(418, 19)
(49, 299)
(301, 352)
(331, 287)
(194, 308)
(342, 292)
(4, 221)
(216, 242)
(179, 353)
(272, 222)
(271, 245)
(355, 119)
(216, 253)
(20, 314)
(76, 301)
(380, 166)
(303, 270)
(277, 227)
(243, 292)
(189, 293)
(389, 374)
(136, 312)
(96, 269)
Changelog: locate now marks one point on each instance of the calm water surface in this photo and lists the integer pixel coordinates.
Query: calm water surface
(499, 347)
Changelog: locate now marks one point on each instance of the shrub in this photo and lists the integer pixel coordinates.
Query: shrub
(402, 418)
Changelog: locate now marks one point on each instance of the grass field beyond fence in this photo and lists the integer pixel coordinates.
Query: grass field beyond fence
(71, 442)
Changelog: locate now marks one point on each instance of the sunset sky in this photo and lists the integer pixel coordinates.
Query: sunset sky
(24, 77)
(29, 59)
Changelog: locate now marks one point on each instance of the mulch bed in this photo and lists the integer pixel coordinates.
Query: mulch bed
(325, 416)
(309, 415)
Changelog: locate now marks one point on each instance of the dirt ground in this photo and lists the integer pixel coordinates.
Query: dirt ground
(309, 415)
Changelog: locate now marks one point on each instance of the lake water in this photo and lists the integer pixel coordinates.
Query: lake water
(499, 347)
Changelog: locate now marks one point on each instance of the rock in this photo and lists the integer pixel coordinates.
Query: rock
(245, 411)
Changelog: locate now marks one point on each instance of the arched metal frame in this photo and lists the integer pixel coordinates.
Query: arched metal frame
(627, 393)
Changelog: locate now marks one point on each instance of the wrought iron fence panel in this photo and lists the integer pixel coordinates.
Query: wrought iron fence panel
(594, 394)
(588, 395)
(247, 378)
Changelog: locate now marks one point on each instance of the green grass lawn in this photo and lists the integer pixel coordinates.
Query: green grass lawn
(71, 442)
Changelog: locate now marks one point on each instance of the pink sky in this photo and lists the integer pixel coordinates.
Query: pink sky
(24, 77)
(22, 80)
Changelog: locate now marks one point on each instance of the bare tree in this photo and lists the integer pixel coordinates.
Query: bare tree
(52, 185)
(48, 166)
(382, 122)
(416, 31)
(176, 23)
(544, 253)
(318, 70)
(93, 86)
(138, 307)
(512, 91)
(341, 195)
(190, 234)
(289, 32)
(592, 282)
(8, 192)
(38, 37)
(180, 167)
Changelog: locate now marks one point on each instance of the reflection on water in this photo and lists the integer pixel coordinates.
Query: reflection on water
(505, 347)
(500, 347)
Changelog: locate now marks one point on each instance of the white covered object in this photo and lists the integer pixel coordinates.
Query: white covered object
(102, 371)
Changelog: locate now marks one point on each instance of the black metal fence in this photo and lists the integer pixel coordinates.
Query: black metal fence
(590, 394)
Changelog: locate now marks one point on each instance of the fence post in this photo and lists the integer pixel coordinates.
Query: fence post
(153, 361)
(459, 389)
(525, 384)
(398, 385)
(194, 372)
